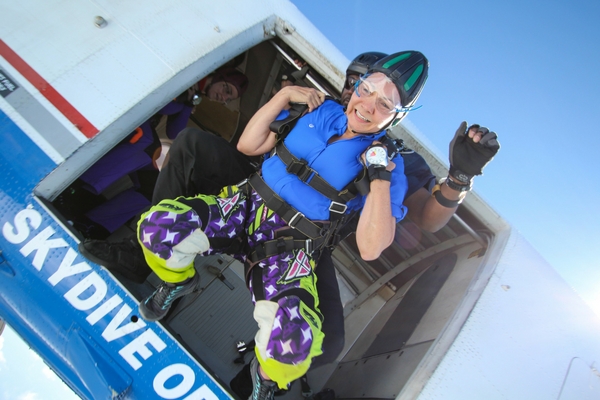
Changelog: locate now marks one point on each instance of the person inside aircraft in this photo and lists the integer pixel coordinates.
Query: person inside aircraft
(121, 256)
(223, 86)
(141, 148)
(282, 212)
(137, 150)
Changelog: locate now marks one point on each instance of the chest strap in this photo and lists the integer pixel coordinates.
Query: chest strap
(360, 185)
(309, 176)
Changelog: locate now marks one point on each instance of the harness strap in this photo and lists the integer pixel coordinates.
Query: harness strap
(292, 217)
(311, 177)
(227, 245)
(284, 126)
(337, 208)
(284, 244)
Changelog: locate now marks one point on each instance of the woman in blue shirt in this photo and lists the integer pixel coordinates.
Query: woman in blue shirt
(285, 218)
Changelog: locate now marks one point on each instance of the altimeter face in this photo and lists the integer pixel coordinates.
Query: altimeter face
(377, 156)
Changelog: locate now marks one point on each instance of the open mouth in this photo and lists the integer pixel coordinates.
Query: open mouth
(360, 116)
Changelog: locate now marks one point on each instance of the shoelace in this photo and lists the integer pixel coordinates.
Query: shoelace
(266, 392)
(161, 298)
(172, 294)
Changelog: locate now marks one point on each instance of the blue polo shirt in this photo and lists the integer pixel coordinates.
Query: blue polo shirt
(338, 163)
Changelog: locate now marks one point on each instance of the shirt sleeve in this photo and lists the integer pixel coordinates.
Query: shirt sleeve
(418, 173)
(398, 189)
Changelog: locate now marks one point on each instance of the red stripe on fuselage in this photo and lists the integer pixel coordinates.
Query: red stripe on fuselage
(48, 91)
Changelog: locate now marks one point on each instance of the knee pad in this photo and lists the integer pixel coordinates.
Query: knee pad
(171, 236)
(289, 337)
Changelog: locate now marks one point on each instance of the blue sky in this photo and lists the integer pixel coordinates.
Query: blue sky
(23, 374)
(528, 70)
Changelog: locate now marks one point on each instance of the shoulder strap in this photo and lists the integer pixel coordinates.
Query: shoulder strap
(283, 127)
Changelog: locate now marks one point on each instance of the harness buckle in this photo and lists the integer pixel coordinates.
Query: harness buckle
(308, 245)
(338, 208)
(300, 169)
(298, 216)
(242, 183)
(280, 244)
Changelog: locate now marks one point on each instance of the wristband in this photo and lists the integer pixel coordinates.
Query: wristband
(455, 186)
(439, 197)
(377, 172)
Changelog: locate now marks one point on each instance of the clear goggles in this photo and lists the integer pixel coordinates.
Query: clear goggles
(386, 102)
(350, 82)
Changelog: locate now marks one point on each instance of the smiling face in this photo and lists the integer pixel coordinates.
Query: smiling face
(222, 92)
(371, 107)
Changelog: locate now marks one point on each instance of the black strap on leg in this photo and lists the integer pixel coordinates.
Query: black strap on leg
(284, 244)
(228, 245)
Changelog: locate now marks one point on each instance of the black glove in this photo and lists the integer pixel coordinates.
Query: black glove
(468, 158)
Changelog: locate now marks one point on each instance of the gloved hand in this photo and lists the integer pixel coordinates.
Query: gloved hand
(468, 158)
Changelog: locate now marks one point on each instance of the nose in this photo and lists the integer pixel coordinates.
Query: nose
(370, 102)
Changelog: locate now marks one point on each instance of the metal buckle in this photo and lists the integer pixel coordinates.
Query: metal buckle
(242, 183)
(308, 245)
(341, 206)
(300, 169)
(298, 215)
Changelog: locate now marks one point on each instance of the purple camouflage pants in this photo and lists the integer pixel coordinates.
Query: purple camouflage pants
(289, 320)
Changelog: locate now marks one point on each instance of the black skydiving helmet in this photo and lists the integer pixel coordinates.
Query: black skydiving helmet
(361, 64)
(408, 71)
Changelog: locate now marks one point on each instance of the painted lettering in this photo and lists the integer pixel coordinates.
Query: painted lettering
(138, 345)
(90, 294)
(20, 231)
(114, 331)
(41, 244)
(8, 85)
(93, 280)
(104, 309)
(67, 268)
(167, 373)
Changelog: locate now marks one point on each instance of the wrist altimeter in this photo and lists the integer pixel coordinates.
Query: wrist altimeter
(376, 158)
